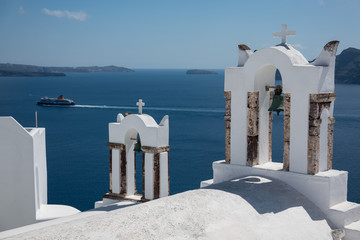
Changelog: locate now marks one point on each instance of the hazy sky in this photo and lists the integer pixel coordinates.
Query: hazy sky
(167, 34)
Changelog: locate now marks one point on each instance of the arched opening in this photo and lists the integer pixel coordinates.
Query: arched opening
(271, 126)
(134, 168)
(277, 133)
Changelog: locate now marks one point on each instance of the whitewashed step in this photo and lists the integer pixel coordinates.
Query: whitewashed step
(352, 231)
(348, 212)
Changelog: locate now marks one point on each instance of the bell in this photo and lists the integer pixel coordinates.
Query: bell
(277, 104)
(137, 147)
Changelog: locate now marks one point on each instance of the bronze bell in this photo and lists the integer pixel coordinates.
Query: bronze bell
(137, 147)
(277, 104)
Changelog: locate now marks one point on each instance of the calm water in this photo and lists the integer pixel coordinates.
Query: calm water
(77, 153)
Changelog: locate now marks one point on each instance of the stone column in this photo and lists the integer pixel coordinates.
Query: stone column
(156, 169)
(271, 117)
(317, 104)
(286, 147)
(330, 142)
(253, 129)
(123, 164)
(227, 118)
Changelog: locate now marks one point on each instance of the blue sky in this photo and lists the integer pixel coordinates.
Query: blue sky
(167, 34)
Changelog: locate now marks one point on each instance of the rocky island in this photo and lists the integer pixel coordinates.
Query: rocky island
(200, 71)
(21, 70)
(347, 67)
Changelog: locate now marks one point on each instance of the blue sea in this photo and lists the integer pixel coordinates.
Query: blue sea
(76, 137)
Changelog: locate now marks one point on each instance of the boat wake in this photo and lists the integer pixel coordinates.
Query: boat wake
(166, 109)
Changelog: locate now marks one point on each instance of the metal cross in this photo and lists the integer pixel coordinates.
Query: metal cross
(284, 33)
(140, 103)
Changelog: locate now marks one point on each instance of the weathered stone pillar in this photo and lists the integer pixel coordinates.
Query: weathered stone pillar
(123, 163)
(317, 104)
(286, 147)
(156, 175)
(330, 142)
(253, 129)
(271, 117)
(227, 118)
(156, 170)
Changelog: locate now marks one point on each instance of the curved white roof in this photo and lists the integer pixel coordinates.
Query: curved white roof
(247, 208)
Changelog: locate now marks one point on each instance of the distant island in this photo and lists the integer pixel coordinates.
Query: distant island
(9, 73)
(200, 71)
(347, 67)
(21, 70)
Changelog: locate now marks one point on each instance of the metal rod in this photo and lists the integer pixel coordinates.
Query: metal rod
(134, 138)
(267, 88)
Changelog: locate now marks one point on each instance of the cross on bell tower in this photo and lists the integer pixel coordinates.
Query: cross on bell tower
(140, 104)
(284, 33)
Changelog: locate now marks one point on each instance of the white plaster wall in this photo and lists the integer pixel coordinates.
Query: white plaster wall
(115, 170)
(151, 133)
(325, 189)
(234, 82)
(324, 140)
(149, 175)
(17, 206)
(164, 174)
(40, 169)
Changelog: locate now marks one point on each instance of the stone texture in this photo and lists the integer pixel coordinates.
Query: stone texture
(314, 111)
(286, 156)
(252, 129)
(252, 151)
(330, 142)
(123, 172)
(313, 154)
(155, 149)
(116, 145)
(287, 128)
(319, 102)
(314, 131)
(323, 97)
(253, 121)
(286, 146)
(227, 118)
(156, 175)
(227, 141)
(253, 99)
(314, 122)
(227, 94)
(287, 104)
(271, 117)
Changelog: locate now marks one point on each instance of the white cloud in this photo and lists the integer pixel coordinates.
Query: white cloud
(21, 10)
(80, 16)
(298, 45)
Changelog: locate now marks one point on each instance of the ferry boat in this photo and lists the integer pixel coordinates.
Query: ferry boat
(60, 101)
